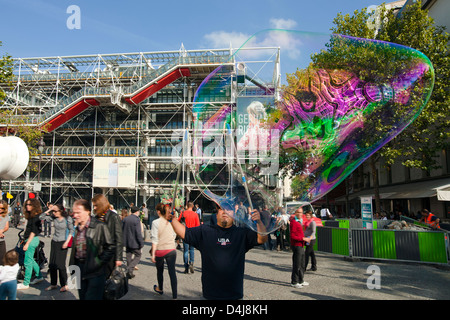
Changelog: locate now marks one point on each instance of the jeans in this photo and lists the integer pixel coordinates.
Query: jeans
(170, 260)
(188, 254)
(8, 290)
(29, 262)
(268, 245)
(47, 228)
(298, 264)
(309, 252)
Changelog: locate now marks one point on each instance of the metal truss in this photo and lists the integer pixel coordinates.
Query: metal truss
(149, 130)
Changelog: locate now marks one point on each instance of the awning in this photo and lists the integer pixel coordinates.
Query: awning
(413, 190)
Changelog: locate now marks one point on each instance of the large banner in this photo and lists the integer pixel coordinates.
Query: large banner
(113, 172)
(250, 113)
(256, 143)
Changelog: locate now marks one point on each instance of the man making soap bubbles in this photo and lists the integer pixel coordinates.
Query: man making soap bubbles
(223, 247)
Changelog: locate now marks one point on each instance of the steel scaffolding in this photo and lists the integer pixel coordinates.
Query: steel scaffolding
(134, 105)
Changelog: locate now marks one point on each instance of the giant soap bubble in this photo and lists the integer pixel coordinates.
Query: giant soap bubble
(343, 98)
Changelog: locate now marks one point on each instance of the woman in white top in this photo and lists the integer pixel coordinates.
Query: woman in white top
(164, 248)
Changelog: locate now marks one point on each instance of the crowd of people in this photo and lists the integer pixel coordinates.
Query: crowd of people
(98, 237)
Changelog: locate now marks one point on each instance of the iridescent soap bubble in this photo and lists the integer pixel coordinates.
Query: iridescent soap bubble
(342, 100)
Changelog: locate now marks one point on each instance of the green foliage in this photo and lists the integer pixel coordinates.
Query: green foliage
(12, 122)
(418, 144)
(6, 73)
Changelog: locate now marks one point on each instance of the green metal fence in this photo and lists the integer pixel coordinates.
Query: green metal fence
(420, 246)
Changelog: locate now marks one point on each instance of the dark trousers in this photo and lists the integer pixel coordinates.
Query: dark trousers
(133, 258)
(16, 220)
(298, 264)
(280, 239)
(2, 251)
(57, 263)
(170, 259)
(309, 252)
(47, 228)
(92, 288)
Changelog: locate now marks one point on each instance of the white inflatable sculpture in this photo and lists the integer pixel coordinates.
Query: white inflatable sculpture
(14, 157)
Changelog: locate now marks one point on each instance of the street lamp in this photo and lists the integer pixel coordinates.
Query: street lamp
(41, 145)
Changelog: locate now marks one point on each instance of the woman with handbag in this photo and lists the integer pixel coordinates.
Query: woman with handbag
(62, 239)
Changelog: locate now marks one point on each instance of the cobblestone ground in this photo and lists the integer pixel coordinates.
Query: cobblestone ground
(267, 277)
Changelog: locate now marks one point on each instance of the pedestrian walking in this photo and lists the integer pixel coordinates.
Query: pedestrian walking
(17, 211)
(4, 226)
(8, 275)
(266, 219)
(145, 218)
(325, 214)
(123, 214)
(132, 240)
(198, 210)
(164, 249)
(283, 222)
(223, 247)
(298, 253)
(62, 237)
(191, 220)
(103, 213)
(93, 248)
(310, 232)
(33, 229)
(46, 218)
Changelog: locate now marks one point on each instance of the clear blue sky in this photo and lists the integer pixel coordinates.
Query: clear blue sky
(37, 28)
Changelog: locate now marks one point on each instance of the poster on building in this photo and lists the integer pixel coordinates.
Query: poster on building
(254, 141)
(366, 212)
(250, 114)
(113, 172)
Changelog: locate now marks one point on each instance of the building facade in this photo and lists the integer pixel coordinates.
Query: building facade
(109, 112)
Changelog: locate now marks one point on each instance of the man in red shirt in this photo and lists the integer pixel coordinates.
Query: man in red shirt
(191, 220)
(298, 252)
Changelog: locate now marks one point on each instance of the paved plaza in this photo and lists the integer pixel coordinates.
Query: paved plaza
(267, 277)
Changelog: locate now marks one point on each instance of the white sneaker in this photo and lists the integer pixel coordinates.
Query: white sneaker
(304, 283)
(37, 280)
(296, 285)
(21, 286)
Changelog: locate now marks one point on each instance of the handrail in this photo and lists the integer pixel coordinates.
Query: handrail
(93, 92)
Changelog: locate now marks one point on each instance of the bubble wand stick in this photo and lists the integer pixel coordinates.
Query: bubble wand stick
(175, 191)
(244, 181)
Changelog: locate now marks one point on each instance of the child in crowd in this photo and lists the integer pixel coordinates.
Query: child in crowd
(8, 275)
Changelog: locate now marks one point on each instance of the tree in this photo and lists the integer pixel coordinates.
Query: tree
(371, 63)
(12, 122)
(418, 144)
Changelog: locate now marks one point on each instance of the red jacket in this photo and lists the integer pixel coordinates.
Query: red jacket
(296, 233)
(190, 218)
